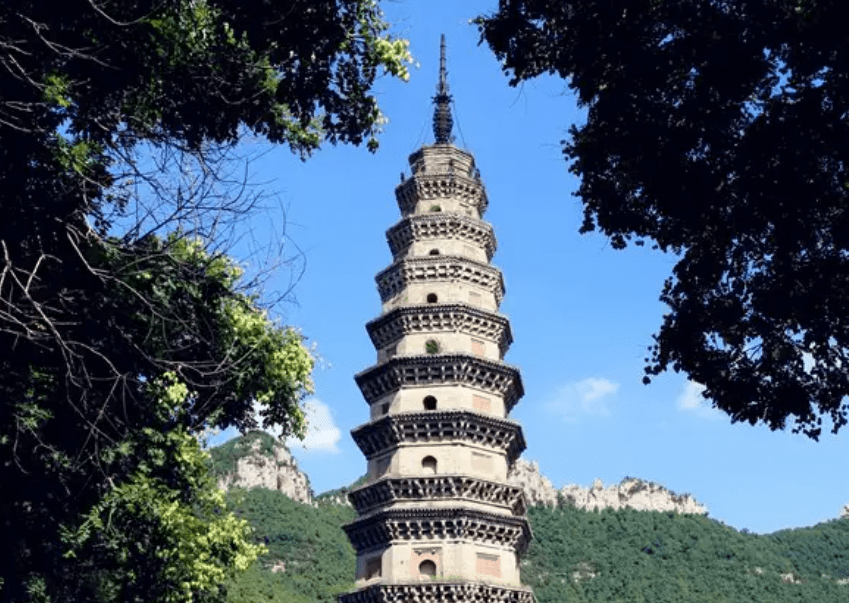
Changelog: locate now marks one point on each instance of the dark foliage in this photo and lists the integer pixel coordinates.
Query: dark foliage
(717, 131)
(122, 335)
(821, 548)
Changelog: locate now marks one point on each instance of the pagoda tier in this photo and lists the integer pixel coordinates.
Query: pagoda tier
(440, 192)
(437, 519)
(444, 178)
(460, 318)
(378, 530)
(458, 426)
(458, 233)
(417, 276)
(435, 370)
(401, 490)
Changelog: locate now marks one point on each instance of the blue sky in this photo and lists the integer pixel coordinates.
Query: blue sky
(582, 313)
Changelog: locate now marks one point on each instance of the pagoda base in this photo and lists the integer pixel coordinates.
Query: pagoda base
(439, 591)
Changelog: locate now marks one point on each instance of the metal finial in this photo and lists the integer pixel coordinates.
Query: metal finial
(442, 88)
(442, 120)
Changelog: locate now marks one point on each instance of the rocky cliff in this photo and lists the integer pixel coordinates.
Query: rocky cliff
(630, 492)
(538, 489)
(257, 460)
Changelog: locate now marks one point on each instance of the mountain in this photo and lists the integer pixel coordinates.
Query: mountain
(634, 541)
(629, 555)
(631, 492)
(258, 460)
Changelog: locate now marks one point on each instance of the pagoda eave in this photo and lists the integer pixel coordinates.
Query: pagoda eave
(441, 369)
(459, 317)
(424, 187)
(439, 268)
(393, 430)
(388, 490)
(458, 524)
(436, 590)
(440, 225)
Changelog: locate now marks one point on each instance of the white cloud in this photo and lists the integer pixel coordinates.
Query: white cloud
(322, 433)
(691, 397)
(587, 397)
(691, 400)
(595, 388)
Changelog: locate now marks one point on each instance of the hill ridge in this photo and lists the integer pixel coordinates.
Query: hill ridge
(581, 553)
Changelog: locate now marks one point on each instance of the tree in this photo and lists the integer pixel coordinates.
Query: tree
(716, 131)
(124, 332)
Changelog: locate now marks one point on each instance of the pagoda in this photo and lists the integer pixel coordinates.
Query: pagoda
(437, 520)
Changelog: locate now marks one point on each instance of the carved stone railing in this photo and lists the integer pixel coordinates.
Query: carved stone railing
(436, 318)
(441, 369)
(437, 487)
(438, 591)
(427, 524)
(440, 426)
(442, 225)
(439, 268)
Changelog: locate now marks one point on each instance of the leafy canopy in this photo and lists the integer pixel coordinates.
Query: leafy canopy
(125, 330)
(717, 131)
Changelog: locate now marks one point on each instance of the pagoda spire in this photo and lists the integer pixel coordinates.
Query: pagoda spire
(442, 120)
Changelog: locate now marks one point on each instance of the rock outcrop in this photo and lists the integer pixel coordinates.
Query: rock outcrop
(634, 493)
(263, 462)
(338, 499)
(845, 512)
(538, 489)
(277, 470)
(631, 492)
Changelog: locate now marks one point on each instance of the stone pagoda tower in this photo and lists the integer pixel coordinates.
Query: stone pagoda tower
(437, 520)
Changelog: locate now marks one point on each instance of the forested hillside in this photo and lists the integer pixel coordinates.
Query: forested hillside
(634, 556)
(308, 558)
(576, 556)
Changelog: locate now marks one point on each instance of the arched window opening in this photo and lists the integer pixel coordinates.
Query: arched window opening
(429, 403)
(373, 568)
(431, 298)
(429, 464)
(434, 252)
(427, 568)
